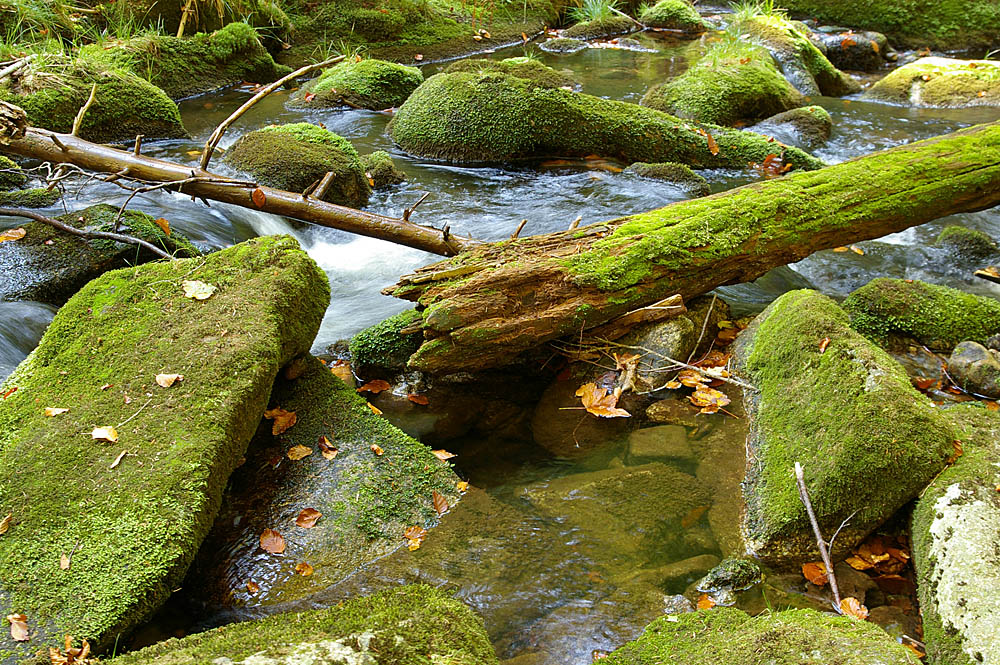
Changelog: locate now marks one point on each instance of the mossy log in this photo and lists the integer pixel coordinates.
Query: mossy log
(496, 300)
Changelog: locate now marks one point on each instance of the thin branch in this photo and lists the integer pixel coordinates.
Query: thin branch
(136, 413)
(117, 237)
(704, 327)
(175, 184)
(216, 136)
(409, 211)
(823, 551)
(78, 120)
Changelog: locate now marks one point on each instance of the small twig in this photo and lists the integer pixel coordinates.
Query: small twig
(138, 144)
(122, 423)
(409, 211)
(842, 525)
(704, 326)
(17, 65)
(517, 231)
(823, 552)
(78, 120)
(69, 559)
(575, 223)
(117, 237)
(324, 185)
(445, 232)
(59, 144)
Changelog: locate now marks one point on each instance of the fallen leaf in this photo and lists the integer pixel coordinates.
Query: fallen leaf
(846, 42)
(691, 378)
(857, 563)
(193, 153)
(744, 61)
(916, 652)
(109, 434)
(376, 386)
(163, 224)
(9, 392)
(309, 96)
(106, 386)
(303, 569)
(857, 250)
(709, 400)
(63, 561)
(12, 234)
(258, 197)
(815, 572)
(841, 249)
(253, 587)
(956, 446)
(118, 460)
(54, 411)
(926, 77)
(307, 518)
(825, 342)
(418, 399)
(414, 535)
(271, 541)
(692, 517)
(463, 486)
(672, 385)
(705, 603)
(167, 380)
(893, 584)
(377, 411)
(326, 448)
(713, 147)
(197, 290)
(922, 383)
(342, 370)
(851, 607)
(377, 449)
(524, 37)
(18, 627)
(992, 406)
(440, 503)
(598, 401)
(443, 454)
(418, 57)
(298, 452)
(282, 419)
(5, 523)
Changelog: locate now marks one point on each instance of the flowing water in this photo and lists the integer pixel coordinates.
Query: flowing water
(551, 576)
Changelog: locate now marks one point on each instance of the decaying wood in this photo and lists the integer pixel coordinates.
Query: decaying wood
(658, 311)
(94, 235)
(542, 288)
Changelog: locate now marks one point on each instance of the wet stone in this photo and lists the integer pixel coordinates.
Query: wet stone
(976, 368)
(658, 444)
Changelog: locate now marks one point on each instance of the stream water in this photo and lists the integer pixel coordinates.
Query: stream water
(549, 580)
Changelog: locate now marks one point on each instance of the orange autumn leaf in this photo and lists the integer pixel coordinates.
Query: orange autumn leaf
(857, 250)
(705, 603)
(376, 386)
(377, 411)
(298, 452)
(443, 454)
(253, 587)
(846, 42)
(691, 378)
(414, 535)
(258, 197)
(823, 343)
(304, 569)
(922, 383)
(857, 563)
(440, 503)
(600, 402)
(282, 419)
(852, 608)
(18, 627)
(377, 449)
(272, 542)
(12, 234)
(992, 406)
(418, 399)
(709, 400)
(163, 224)
(309, 96)
(307, 518)
(692, 517)
(715, 358)
(463, 486)
(713, 147)
(326, 448)
(815, 572)
(841, 249)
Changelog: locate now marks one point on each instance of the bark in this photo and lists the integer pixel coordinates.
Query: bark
(63, 148)
(497, 300)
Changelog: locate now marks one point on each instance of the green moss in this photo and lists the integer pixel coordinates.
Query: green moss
(293, 157)
(125, 105)
(521, 67)
(409, 625)
(465, 117)
(607, 27)
(941, 82)
(381, 170)
(938, 316)
(382, 345)
(792, 637)
(867, 440)
(204, 62)
(563, 45)
(266, 15)
(371, 84)
(673, 15)
(967, 243)
(36, 197)
(137, 526)
(676, 174)
(11, 175)
(742, 87)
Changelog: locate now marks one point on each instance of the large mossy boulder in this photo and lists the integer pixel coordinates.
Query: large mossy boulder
(401, 626)
(48, 265)
(369, 83)
(367, 498)
(833, 401)
(938, 316)
(476, 118)
(132, 507)
(52, 90)
(941, 82)
(727, 87)
(204, 62)
(956, 525)
(612, 25)
(808, 127)
(968, 244)
(727, 635)
(521, 67)
(677, 15)
(802, 63)
(292, 157)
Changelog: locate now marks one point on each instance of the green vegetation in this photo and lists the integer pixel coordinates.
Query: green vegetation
(381, 170)
(522, 67)
(673, 15)
(136, 525)
(593, 10)
(11, 175)
(36, 197)
(941, 82)
(382, 345)
(967, 243)
(371, 84)
(615, 24)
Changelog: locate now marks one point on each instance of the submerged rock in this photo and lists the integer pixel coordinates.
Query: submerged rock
(941, 82)
(938, 316)
(293, 157)
(407, 624)
(663, 443)
(674, 15)
(867, 440)
(675, 174)
(857, 51)
(369, 83)
(808, 127)
(563, 45)
(521, 67)
(381, 170)
(727, 635)
(134, 505)
(475, 118)
(599, 28)
(48, 265)
(969, 244)
(976, 369)
(726, 87)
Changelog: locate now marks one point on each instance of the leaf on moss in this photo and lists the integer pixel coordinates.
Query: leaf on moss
(197, 290)
(118, 460)
(108, 433)
(377, 411)
(307, 518)
(282, 419)
(64, 561)
(167, 380)
(298, 452)
(19, 627)
(440, 503)
(54, 411)
(815, 572)
(271, 541)
(5, 523)
(326, 448)
(377, 449)
(163, 224)
(823, 343)
(303, 569)
(12, 234)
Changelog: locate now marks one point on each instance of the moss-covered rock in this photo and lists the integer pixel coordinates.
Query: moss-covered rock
(383, 345)
(521, 67)
(470, 118)
(739, 87)
(564, 45)
(673, 173)
(367, 500)
(792, 637)
(53, 89)
(34, 197)
(48, 265)
(369, 83)
(956, 524)
(731, 574)
(134, 525)
(802, 63)
(941, 82)
(381, 171)
(204, 62)
(292, 157)
(674, 15)
(808, 127)
(967, 243)
(408, 624)
(599, 28)
(11, 175)
(947, 24)
(867, 440)
(938, 316)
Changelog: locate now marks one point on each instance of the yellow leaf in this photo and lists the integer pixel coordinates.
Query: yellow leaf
(167, 380)
(118, 460)
(253, 587)
(377, 449)
(299, 451)
(377, 411)
(326, 448)
(304, 569)
(463, 486)
(12, 234)
(705, 603)
(108, 433)
(63, 561)
(163, 224)
(282, 419)
(600, 402)
(815, 572)
(5, 523)
(857, 250)
(841, 249)
(857, 563)
(197, 290)
(54, 411)
(443, 454)
(414, 535)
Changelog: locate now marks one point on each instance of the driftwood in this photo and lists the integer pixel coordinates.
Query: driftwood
(520, 294)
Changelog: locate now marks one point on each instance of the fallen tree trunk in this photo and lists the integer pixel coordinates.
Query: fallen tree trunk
(66, 149)
(494, 301)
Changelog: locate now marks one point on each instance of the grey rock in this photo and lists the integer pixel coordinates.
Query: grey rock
(976, 368)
